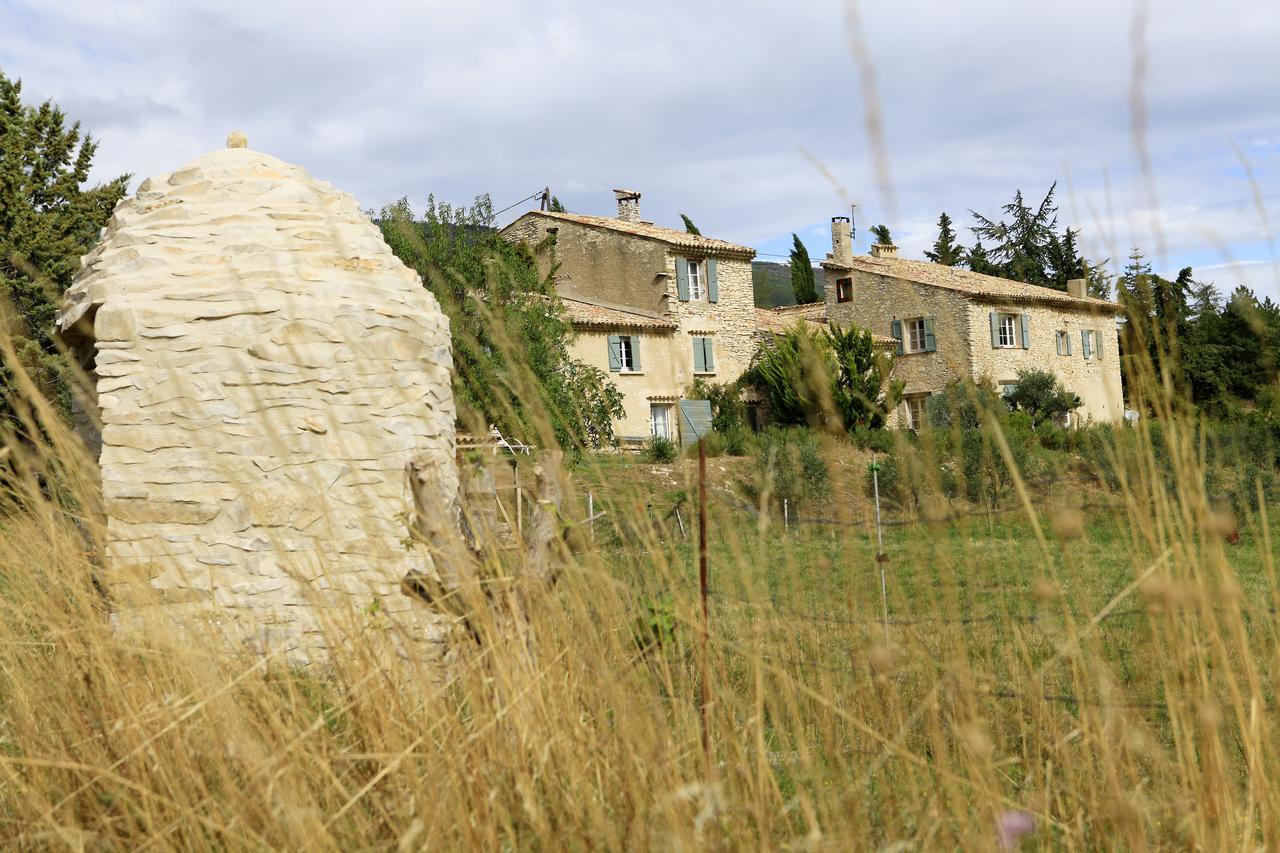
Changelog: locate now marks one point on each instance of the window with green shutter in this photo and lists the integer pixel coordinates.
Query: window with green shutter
(703, 356)
(624, 353)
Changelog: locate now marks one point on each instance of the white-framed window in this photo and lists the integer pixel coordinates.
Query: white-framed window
(624, 353)
(917, 410)
(697, 286)
(660, 419)
(1063, 338)
(704, 360)
(1007, 331)
(915, 334)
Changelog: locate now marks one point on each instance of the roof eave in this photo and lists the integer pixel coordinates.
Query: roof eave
(728, 250)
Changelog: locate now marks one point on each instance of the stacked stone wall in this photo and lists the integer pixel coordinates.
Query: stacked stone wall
(266, 371)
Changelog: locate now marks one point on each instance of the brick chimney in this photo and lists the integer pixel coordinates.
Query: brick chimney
(880, 250)
(628, 205)
(841, 241)
(1078, 287)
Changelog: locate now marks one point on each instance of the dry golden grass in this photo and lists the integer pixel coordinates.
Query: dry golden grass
(1135, 710)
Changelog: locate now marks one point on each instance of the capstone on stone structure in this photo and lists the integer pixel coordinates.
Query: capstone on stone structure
(265, 372)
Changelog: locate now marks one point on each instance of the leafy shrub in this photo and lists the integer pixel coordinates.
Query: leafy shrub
(829, 378)
(869, 438)
(659, 449)
(713, 444)
(789, 465)
(1041, 396)
(738, 440)
(965, 405)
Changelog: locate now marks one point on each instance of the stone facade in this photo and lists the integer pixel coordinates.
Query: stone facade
(620, 278)
(884, 293)
(264, 371)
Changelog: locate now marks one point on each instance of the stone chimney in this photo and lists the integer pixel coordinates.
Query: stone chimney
(880, 250)
(841, 241)
(1078, 287)
(628, 205)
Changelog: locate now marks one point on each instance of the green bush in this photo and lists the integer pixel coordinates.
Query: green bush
(879, 440)
(659, 449)
(789, 465)
(1040, 395)
(713, 444)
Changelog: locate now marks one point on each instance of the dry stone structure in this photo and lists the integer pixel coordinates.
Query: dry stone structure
(264, 371)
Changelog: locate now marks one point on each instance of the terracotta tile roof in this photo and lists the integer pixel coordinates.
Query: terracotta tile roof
(972, 283)
(777, 321)
(670, 236)
(590, 315)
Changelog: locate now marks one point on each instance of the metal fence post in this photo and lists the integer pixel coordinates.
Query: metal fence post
(881, 558)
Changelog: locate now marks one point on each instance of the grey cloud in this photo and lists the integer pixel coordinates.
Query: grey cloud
(704, 106)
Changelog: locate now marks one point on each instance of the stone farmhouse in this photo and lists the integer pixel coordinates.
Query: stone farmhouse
(954, 324)
(655, 307)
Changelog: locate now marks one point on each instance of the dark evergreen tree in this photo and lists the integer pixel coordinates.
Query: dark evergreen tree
(802, 282)
(977, 259)
(882, 235)
(555, 206)
(946, 250)
(1021, 245)
(689, 226)
(1064, 260)
(48, 219)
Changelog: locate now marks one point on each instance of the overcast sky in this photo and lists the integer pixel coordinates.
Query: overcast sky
(751, 117)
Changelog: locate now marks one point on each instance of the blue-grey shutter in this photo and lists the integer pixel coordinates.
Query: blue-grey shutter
(895, 329)
(699, 357)
(695, 420)
(1097, 344)
(1026, 331)
(713, 287)
(1084, 342)
(930, 341)
(1067, 335)
(615, 353)
(1057, 341)
(635, 352)
(682, 279)
(708, 355)
(995, 329)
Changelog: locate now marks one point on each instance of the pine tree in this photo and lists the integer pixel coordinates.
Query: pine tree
(976, 259)
(1099, 280)
(882, 235)
(555, 206)
(802, 282)
(48, 219)
(946, 250)
(689, 226)
(1022, 245)
(1064, 260)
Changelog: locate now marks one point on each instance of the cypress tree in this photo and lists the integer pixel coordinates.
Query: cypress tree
(689, 226)
(802, 283)
(945, 249)
(882, 235)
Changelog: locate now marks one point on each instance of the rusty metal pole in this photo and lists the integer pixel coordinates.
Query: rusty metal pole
(702, 578)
